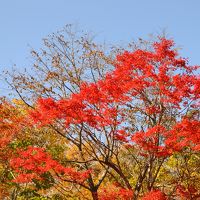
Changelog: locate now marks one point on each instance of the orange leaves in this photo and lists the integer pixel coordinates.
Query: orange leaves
(8, 123)
(113, 192)
(11, 122)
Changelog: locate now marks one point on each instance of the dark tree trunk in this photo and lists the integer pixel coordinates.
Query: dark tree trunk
(95, 195)
(139, 182)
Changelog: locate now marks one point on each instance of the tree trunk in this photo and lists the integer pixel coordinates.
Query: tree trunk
(95, 195)
(139, 182)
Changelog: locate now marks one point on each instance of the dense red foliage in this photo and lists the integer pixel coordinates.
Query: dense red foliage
(188, 193)
(185, 133)
(115, 193)
(159, 81)
(155, 195)
(158, 85)
(32, 163)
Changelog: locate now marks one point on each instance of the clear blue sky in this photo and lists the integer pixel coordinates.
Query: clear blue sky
(26, 22)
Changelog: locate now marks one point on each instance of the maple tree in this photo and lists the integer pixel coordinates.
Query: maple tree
(142, 115)
(16, 152)
(11, 122)
(154, 195)
(158, 85)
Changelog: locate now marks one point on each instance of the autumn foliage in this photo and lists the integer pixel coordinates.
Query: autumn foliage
(155, 194)
(125, 128)
(33, 162)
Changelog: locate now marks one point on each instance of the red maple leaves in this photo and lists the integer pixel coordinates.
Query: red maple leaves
(31, 163)
(159, 80)
(113, 192)
(155, 194)
(184, 134)
(157, 86)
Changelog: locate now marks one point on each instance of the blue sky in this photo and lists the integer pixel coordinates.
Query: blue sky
(26, 22)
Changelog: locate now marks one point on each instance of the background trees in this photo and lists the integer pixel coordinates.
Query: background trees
(117, 124)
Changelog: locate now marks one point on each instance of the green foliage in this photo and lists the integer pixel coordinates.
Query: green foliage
(56, 151)
(46, 182)
(29, 194)
(20, 144)
(57, 197)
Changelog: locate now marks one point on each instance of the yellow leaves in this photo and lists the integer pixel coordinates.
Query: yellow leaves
(18, 102)
(72, 154)
(172, 162)
(51, 75)
(195, 174)
(20, 107)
